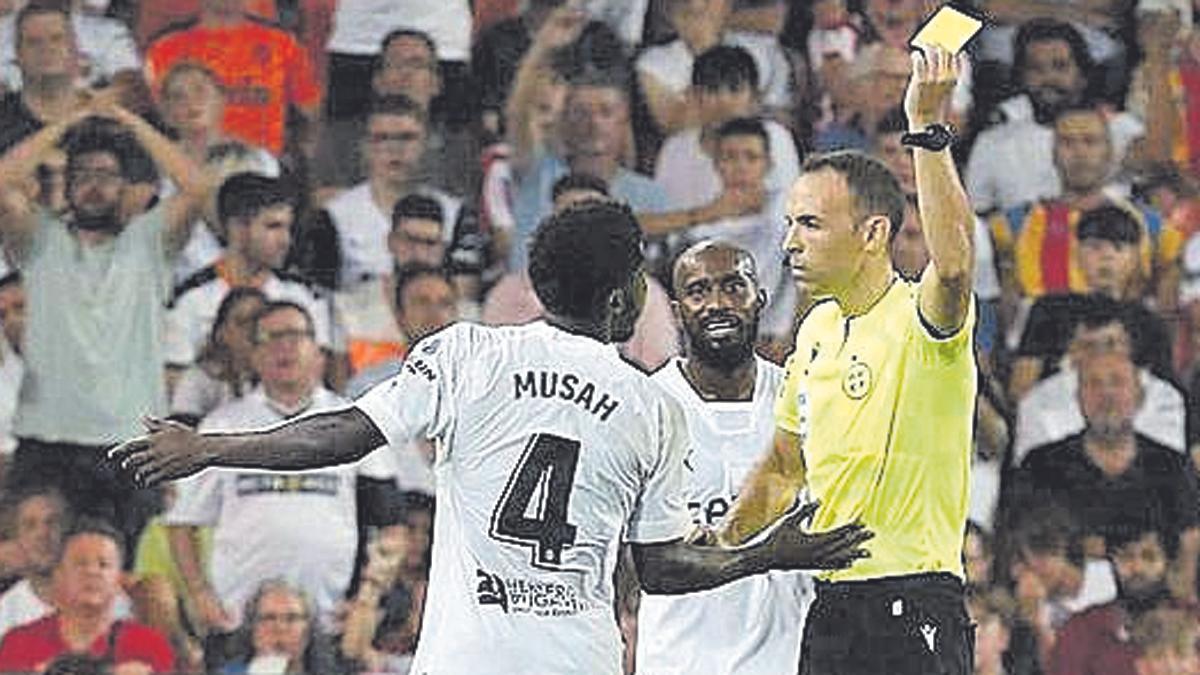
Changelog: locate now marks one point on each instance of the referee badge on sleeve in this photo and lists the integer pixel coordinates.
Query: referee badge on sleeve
(857, 381)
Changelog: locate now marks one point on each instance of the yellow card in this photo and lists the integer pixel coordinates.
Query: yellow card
(948, 28)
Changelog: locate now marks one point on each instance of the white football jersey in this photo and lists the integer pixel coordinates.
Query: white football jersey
(548, 448)
(751, 625)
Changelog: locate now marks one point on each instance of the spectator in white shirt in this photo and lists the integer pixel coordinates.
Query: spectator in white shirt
(664, 71)
(359, 27)
(105, 46)
(256, 214)
(392, 145)
(1012, 163)
(1050, 411)
(724, 87)
(300, 526)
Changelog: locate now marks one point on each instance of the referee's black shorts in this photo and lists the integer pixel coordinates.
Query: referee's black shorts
(909, 625)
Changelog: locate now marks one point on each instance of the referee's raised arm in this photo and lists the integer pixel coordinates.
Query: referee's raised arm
(945, 212)
(876, 411)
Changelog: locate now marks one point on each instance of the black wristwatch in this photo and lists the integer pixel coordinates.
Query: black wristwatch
(936, 137)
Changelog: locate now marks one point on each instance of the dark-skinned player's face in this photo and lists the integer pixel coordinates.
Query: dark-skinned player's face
(718, 304)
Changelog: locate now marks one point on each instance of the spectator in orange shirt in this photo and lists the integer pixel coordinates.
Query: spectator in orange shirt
(263, 68)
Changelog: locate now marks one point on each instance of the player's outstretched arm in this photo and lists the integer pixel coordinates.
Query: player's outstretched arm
(769, 492)
(171, 450)
(677, 567)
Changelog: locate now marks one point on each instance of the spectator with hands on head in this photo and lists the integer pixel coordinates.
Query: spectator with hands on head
(98, 280)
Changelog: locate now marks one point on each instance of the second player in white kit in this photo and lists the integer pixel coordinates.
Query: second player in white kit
(752, 625)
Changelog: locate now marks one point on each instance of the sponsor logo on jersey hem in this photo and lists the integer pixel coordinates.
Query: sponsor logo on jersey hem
(528, 596)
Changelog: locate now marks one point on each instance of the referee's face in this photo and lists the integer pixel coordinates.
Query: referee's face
(825, 246)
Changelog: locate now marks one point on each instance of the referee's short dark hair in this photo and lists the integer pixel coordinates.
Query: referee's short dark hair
(583, 253)
(578, 181)
(246, 194)
(418, 207)
(725, 67)
(873, 188)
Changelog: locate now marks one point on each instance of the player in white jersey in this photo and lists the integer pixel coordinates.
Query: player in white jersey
(752, 625)
(550, 449)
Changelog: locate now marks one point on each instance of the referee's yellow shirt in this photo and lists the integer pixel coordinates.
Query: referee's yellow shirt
(885, 410)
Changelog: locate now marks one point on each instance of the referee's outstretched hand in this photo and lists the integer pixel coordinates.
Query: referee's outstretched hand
(169, 450)
(794, 548)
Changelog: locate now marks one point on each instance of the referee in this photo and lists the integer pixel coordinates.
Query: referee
(875, 416)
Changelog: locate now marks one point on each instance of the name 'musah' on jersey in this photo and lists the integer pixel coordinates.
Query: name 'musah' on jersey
(567, 387)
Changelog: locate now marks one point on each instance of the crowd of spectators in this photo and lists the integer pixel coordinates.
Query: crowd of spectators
(232, 212)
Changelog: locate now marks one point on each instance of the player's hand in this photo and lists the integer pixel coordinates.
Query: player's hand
(794, 548)
(935, 73)
(168, 451)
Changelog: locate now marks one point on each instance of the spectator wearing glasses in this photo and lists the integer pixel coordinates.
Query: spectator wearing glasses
(279, 632)
(392, 144)
(406, 65)
(97, 280)
(297, 526)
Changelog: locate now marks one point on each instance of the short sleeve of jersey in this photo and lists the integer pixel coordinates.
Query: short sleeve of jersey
(418, 403)
(937, 350)
(661, 514)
